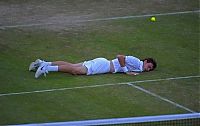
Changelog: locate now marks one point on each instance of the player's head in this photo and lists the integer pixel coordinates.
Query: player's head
(149, 64)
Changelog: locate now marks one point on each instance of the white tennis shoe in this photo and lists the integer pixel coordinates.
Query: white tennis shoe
(41, 70)
(34, 65)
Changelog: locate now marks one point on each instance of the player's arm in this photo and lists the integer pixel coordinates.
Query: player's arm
(122, 62)
(121, 59)
(132, 73)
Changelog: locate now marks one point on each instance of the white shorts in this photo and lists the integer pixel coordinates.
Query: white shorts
(97, 66)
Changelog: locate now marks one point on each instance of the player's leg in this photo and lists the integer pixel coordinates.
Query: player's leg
(76, 69)
(34, 65)
(67, 67)
(59, 63)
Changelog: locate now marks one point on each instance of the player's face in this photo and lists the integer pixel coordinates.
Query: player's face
(147, 66)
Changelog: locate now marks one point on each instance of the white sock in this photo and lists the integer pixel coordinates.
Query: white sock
(47, 63)
(52, 68)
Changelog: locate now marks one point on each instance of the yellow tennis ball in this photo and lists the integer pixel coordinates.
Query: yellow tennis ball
(153, 19)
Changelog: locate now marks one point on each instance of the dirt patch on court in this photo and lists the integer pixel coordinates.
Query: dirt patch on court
(75, 13)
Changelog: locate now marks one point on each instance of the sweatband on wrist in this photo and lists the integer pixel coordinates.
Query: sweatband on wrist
(125, 69)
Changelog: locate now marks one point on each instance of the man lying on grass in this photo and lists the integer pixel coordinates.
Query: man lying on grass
(123, 64)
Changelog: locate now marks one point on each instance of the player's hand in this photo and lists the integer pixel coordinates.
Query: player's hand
(132, 73)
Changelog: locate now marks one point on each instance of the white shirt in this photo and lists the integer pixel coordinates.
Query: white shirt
(133, 64)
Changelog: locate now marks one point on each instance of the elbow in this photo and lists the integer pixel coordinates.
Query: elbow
(120, 56)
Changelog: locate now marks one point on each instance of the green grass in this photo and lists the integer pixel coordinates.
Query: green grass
(173, 41)
(81, 104)
(185, 91)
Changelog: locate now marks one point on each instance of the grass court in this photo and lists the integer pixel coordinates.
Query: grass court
(79, 30)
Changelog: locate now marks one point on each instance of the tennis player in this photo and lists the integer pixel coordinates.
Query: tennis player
(121, 64)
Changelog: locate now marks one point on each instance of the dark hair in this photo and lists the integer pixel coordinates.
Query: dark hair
(151, 60)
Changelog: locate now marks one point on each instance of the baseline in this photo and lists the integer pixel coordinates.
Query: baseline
(102, 19)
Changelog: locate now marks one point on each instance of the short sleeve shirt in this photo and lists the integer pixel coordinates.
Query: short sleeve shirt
(132, 63)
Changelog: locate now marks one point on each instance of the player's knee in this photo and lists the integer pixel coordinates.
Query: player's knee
(75, 71)
(78, 71)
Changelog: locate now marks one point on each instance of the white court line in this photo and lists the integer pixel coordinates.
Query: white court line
(146, 15)
(59, 89)
(162, 98)
(102, 19)
(94, 86)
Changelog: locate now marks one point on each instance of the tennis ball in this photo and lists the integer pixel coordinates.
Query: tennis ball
(153, 19)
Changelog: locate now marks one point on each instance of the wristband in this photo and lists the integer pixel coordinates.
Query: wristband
(125, 69)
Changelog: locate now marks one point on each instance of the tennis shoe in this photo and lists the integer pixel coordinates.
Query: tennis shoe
(34, 65)
(41, 70)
